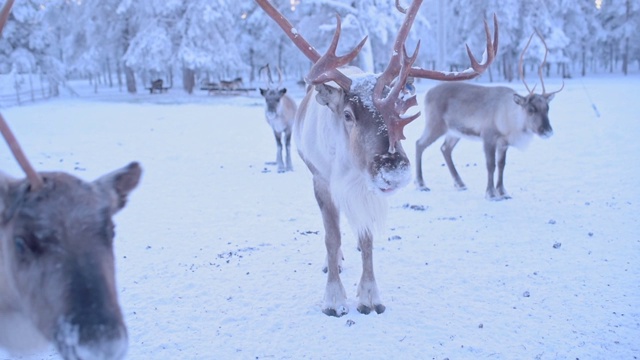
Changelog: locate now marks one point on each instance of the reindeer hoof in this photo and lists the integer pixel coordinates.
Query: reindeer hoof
(335, 312)
(423, 188)
(366, 310)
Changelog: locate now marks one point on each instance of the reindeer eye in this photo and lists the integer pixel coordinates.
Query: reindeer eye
(348, 115)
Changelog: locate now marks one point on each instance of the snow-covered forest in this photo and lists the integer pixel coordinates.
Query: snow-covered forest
(127, 44)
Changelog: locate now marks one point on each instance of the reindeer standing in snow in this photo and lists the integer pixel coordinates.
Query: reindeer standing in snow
(280, 111)
(497, 115)
(348, 131)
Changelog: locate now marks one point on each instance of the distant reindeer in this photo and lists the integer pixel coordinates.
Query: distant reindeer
(348, 130)
(234, 84)
(280, 111)
(496, 115)
(57, 276)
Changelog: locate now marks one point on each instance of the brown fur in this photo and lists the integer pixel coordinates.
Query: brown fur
(57, 275)
(496, 115)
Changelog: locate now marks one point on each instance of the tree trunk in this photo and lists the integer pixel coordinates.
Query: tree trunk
(611, 59)
(131, 80)
(442, 36)
(584, 61)
(188, 80)
(109, 75)
(119, 75)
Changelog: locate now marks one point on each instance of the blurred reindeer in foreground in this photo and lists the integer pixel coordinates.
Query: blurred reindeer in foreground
(57, 268)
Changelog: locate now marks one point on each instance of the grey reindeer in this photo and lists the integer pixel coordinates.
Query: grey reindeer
(280, 110)
(496, 115)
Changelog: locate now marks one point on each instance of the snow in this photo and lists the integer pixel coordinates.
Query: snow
(220, 257)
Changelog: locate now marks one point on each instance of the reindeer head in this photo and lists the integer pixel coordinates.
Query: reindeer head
(57, 250)
(536, 106)
(370, 105)
(272, 95)
(57, 276)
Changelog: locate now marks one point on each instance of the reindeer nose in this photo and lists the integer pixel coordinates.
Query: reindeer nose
(114, 348)
(93, 341)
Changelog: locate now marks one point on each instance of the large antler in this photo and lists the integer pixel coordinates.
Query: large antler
(401, 67)
(269, 79)
(540, 68)
(476, 68)
(325, 67)
(544, 61)
(521, 66)
(34, 179)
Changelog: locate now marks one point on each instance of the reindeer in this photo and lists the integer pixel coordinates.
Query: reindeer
(348, 130)
(280, 111)
(57, 276)
(496, 115)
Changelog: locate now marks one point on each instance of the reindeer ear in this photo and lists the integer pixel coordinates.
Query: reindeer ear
(283, 91)
(120, 183)
(329, 96)
(5, 195)
(11, 196)
(549, 97)
(520, 100)
(262, 91)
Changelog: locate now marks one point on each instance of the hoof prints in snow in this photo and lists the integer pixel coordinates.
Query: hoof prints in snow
(415, 207)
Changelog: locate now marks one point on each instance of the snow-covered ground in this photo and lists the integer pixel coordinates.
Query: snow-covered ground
(219, 256)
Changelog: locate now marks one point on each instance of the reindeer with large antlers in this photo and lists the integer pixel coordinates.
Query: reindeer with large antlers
(57, 276)
(497, 115)
(280, 110)
(348, 131)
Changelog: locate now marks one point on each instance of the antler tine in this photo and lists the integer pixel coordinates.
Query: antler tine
(491, 48)
(399, 50)
(302, 44)
(521, 66)
(400, 8)
(269, 80)
(325, 66)
(4, 13)
(325, 69)
(476, 67)
(544, 61)
(391, 107)
(34, 179)
(279, 77)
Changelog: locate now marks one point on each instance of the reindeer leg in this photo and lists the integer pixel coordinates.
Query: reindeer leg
(369, 299)
(335, 297)
(502, 159)
(325, 267)
(430, 135)
(490, 155)
(287, 139)
(447, 148)
(279, 161)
